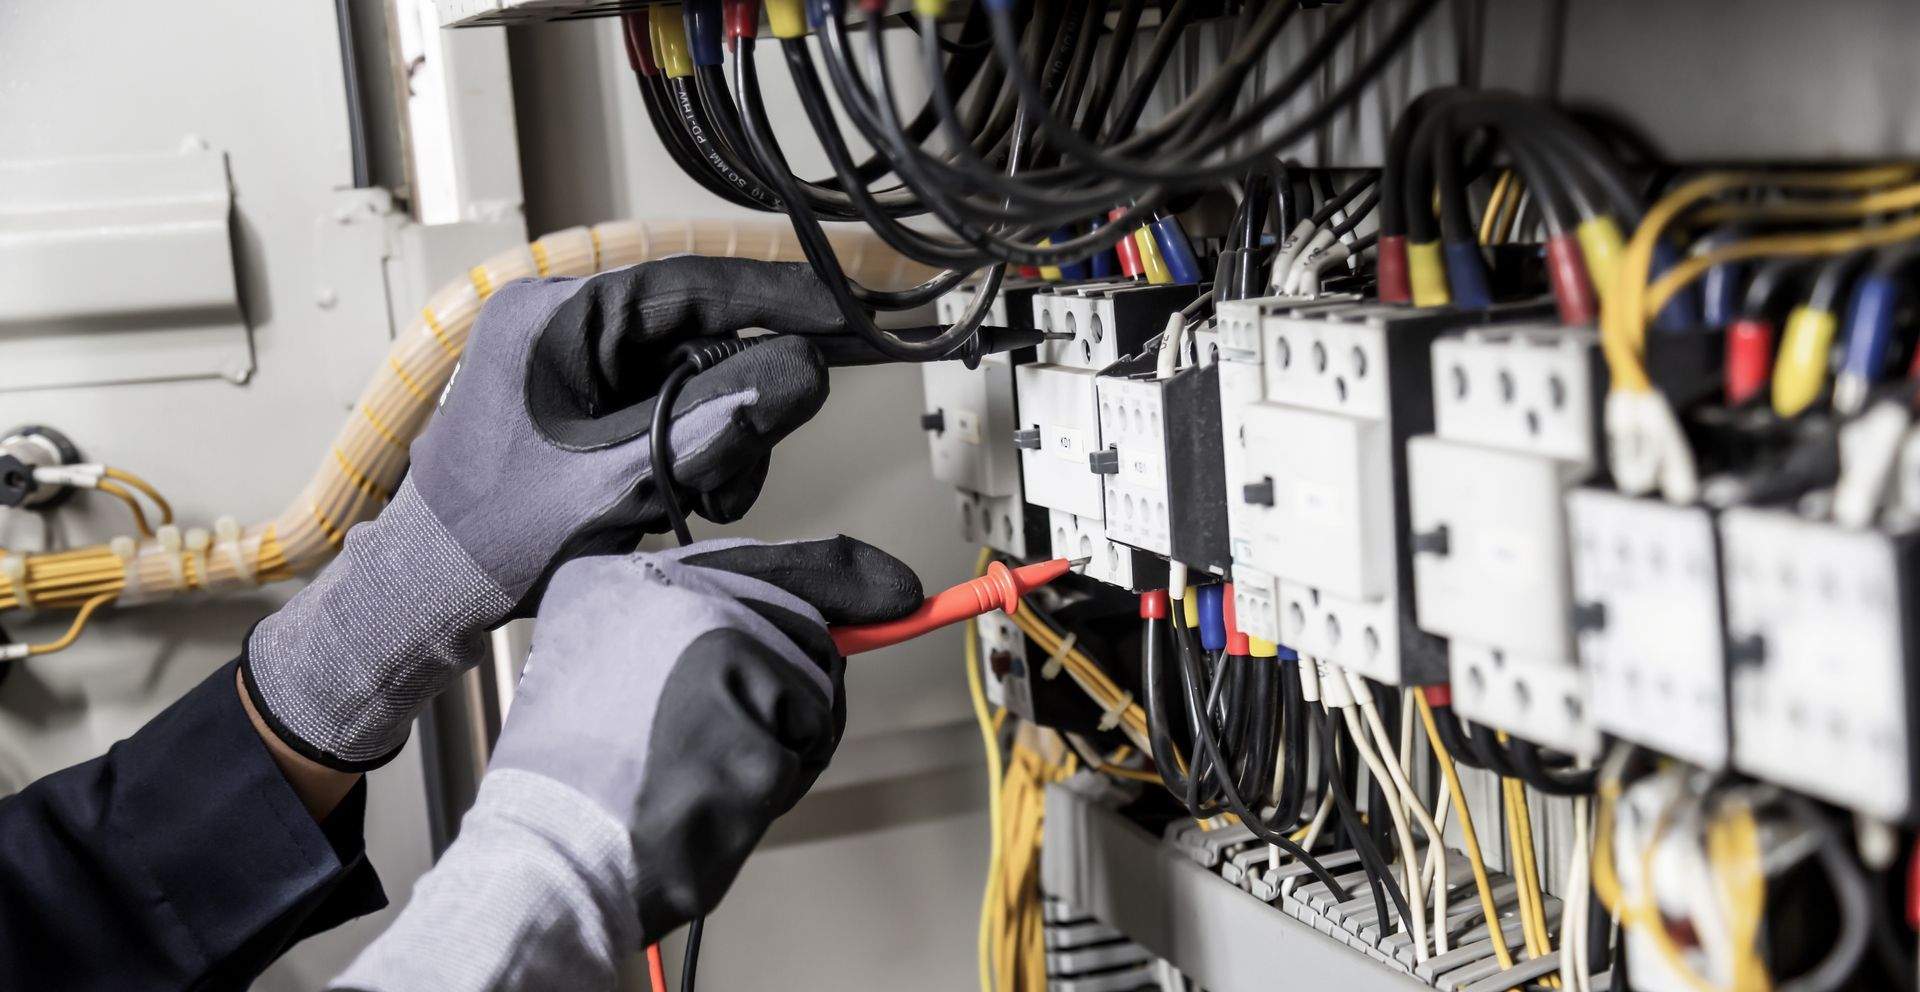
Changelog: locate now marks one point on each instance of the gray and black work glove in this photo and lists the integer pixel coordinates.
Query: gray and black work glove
(539, 453)
(674, 705)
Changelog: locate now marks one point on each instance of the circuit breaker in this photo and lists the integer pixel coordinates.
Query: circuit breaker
(1820, 633)
(1515, 409)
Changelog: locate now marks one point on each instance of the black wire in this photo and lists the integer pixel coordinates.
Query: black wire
(690, 961)
(1356, 828)
(661, 443)
(1553, 782)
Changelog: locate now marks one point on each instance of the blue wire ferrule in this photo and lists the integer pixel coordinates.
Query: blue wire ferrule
(1213, 617)
(1467, 275)
(1869, 333)
(1678, 315)
(819, 12)
(1287, 654)
(1176, 250)
(1103, 265)
(1072, 271)
(706, 30)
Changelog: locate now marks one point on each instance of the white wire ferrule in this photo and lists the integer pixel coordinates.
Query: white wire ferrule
(1309, 679)
(85, 475)
(1295, 243)
(1333, 685)
(1302, 263)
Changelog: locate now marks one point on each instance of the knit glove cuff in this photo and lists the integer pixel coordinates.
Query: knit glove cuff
(341, 670)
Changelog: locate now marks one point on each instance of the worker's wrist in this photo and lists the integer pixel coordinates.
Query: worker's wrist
(537, 892)
(341, 670)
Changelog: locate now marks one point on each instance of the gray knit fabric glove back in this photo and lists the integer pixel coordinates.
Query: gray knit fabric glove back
(540, 453)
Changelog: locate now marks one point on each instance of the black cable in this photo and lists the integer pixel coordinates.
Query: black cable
(661, 443)
(673, 137)
(690, 960)
(1356, 828)
(1211, 748)
(1553, 782)
(357, 150)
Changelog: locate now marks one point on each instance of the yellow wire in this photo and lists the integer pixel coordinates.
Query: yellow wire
(1645, 914)
(1510, 211)
(1470, 839)
(1829, 243)
(1496, 201)
(1623, 312)
(159, 501)
(120, 493)
(1733, 848)
(1519, 840)
(990, 739)
(80, 619)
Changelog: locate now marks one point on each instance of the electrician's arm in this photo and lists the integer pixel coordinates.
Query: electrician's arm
(183, 858)
(673, 706)
(320, 788)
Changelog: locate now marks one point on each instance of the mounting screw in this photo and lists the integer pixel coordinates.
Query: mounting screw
(935, 421)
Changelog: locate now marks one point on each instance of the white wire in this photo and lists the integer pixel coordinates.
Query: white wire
(1427, 823)
(1409, 854)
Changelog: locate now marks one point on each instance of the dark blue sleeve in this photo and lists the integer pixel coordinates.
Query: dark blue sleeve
(181, 859)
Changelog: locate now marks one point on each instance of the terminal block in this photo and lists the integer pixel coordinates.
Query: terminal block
(1515, 415)
(1323, 476)
(1646, 606)
(1107, 561)
(1059, 431)
(1821, 640)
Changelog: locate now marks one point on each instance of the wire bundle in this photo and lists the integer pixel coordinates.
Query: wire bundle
(1029, 151)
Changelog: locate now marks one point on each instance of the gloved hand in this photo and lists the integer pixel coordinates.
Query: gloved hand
(674, 705)
(539, 453)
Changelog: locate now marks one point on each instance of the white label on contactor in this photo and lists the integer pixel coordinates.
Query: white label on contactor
(1066, 444)
(966, 426)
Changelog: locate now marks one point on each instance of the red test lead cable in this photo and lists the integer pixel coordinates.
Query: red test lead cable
(999, 589)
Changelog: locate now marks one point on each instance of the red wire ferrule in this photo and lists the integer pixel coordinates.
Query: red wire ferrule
(1749, 359)
(1153, 605)
(1567, 272)
(742, 19)
(1390, 269)
(1439, 694)
(633, 31)
(1237, 641)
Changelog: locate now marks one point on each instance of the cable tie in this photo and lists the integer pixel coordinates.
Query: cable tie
(227, 537)
(133, 590)
(14, 569)
(1111, 717)
(170, 541)
(1051, 669)
(197, 542)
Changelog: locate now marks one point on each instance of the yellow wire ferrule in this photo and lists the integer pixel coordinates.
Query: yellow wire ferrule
(1602, 244)
(1257, 648)
(669, 40)
(1154, 266)
(1050, 273)
(1427, 274)
(788, 18)
(1190, 607)
(930, 8)
(1801, 370)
